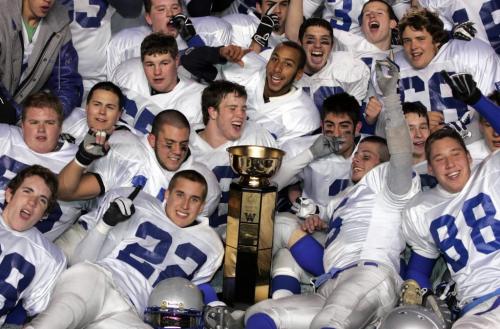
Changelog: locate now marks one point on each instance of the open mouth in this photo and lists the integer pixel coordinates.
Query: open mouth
(317, 57)
(374, 26)
(25, 214)
(237, 125)
(453, 175)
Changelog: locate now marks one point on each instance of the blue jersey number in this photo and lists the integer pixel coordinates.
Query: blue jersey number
(334, 225)
(321, 93)
(82, 18)
(338, 186)
(10, 292)
(479, 213)
(224, 174)
(437, 101)
(342, 20)
(145, 119)
(142, 259)
(492, 28)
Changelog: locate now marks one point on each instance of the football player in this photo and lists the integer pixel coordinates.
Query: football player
(363, 243)
(166, 16)
(273, 100)
(102, 112)
(30, 264)
(456, 219)
(427, 52)
(152, 84)
(129, 251)
(150, 161)
(224, 115)
(38, 142)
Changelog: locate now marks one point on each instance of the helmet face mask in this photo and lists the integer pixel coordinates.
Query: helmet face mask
(172, 318)
(175, 303)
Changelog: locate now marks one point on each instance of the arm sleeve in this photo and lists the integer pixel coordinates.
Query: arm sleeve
(91, 245)
(65, 81)
(209, 294)
(292, 168)
(490, 111)
(200, 62)
(127, 8)
(400, 147)
(10, 111)
(420, 269)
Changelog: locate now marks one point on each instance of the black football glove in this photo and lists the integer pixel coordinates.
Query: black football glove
(269, 22)
(121, 209)
(464, 31)
(184, 25)
(463, 87)
(89, 150)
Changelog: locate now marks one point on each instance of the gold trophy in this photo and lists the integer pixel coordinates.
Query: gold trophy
(250, 224)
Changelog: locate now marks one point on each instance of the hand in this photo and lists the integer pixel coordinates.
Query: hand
(184, 25)
(269, 22)
(436, 120)
(119, 211)
(313, 223)
(325, 145)
(93, 147)
(304, 207)
(460, 125)
(233, 54)
(372, 110)
(388, 83)
(463, 87)
(464, 31)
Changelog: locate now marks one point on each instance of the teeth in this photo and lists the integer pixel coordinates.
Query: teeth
(453, 174)
(181, 213)
(317, 53)
(374, 25)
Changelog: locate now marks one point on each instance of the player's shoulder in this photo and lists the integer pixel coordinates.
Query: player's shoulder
(8, 131)
(255, 134)
(342, 62)
(210, 236)
(130, 35)
(130, 75)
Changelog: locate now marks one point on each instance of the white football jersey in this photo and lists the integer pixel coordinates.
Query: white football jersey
(428, 86)
(76, 125)
(365, 221)
(244, 27)
(342, 73)
(30, 266)
(217, 160)
(149, 247)
(91, 32)
(484, 13)
(346, 14)
(15, 155)
(131, 161)
(322, 178)
(285, 117)
(141, 107)
(463, 228)
(126, 44)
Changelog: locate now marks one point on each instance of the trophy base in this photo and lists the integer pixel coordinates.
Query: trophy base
(249, 242)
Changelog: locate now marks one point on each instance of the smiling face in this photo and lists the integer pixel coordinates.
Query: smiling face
(282, 71)
(170, 146)
(26, 206)
(41, 129)
(160, 15)
(419, 131)
(450, 163)
(184, 201)
(103, 110)
(377, 24)
(318, 45)
(365, 158)
(161, 71)
(230, 117)
(419, 47)
(341, 126)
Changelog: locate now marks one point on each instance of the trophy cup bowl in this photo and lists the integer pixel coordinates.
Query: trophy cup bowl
(255, 164)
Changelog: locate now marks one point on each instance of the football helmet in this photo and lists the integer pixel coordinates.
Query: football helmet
(412, 317)
(175, 303)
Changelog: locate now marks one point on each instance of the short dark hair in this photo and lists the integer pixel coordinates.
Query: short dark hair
(159, 43)
(416, 107)
(495, 97)
(440, 134)
(215, 92)
(48, 177)
(43, 99)
(341, 103)
(147, 5)
(294, 45)
(191, 175)
(422, 18)
(383, 150)
(315, 21)
(169, 117)
(108, 86)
